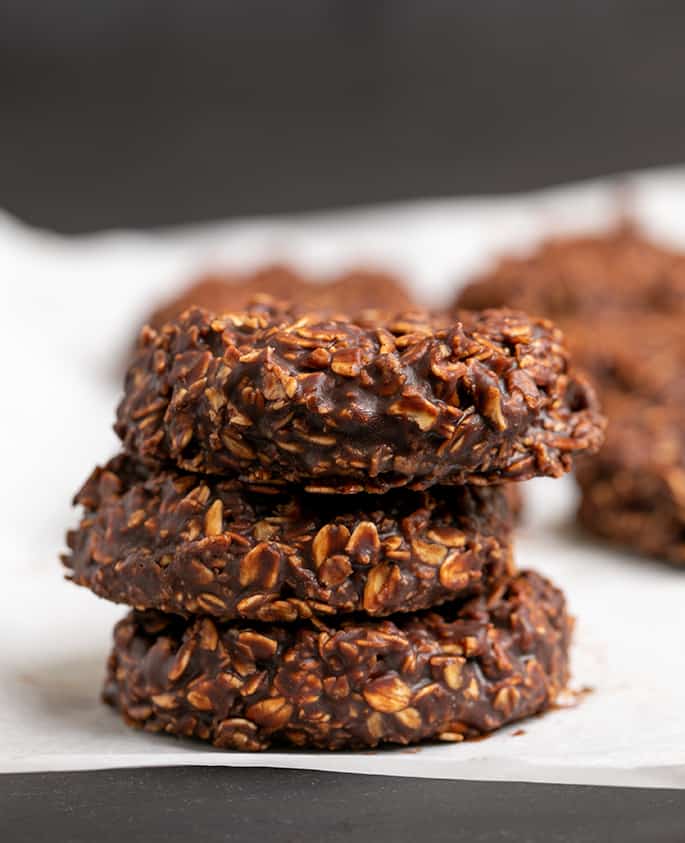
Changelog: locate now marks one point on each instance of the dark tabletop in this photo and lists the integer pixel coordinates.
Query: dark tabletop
(147, 112)
(177, 805)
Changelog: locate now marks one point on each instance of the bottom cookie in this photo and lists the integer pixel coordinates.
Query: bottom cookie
(633, 491)
(452, 673)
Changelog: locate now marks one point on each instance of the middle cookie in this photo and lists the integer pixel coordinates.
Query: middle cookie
(190, 544)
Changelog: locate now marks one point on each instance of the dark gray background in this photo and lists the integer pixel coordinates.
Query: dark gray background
(147, 112)
(185, 805)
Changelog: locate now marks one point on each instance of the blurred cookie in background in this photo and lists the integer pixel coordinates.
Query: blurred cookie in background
(569, 277)
(639, 353)
(619, 298)
(352, 291)
(633, 491)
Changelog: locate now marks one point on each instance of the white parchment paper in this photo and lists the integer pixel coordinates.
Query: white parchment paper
(69, 308)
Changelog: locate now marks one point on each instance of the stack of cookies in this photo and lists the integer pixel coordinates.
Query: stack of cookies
(310, 518)
(621, 301)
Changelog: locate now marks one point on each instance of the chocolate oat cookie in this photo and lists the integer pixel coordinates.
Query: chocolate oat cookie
(577, 276)
(353, 291)
(340, 406)
(637, 353)
(634, 489)
(451, 674)
(619, 300)
(195, 544)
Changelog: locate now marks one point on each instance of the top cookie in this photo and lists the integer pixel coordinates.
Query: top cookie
(340, 405)
(579, 276)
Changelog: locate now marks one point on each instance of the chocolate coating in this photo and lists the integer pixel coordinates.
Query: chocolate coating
(450, 674)
(344, 406)
(203, 545)
(634, 489)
